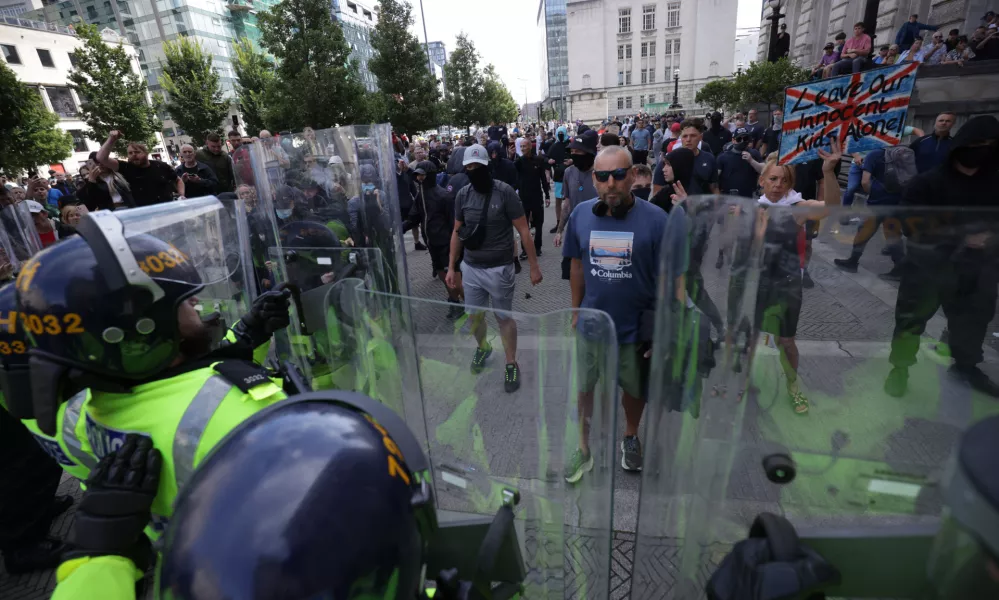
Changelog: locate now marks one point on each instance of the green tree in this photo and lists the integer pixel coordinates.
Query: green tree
(721, 94)
(549, 113)
(29, 132)
(254, 84)
(112, 96)
(464, 84)
(401, 66)
(497, 102)
(317, 83)
(194, 93)
(764, 82)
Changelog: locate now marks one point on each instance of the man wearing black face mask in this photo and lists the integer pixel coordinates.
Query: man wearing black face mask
(737, 175)
(558, 154)
(577, 183)
(717, 137)
(952, 262)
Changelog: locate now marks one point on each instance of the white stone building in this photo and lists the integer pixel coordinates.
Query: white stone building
(625, 54)
(747, 43)
(812, 23)
(39, 55)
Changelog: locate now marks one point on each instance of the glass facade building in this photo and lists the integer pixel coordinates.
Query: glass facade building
(357, 21)
(554, 55)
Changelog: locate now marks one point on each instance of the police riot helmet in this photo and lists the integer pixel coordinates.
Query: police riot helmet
(15, 381)
(102, 307)
(323, 495)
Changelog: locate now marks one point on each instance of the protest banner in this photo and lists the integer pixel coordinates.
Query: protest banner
(864, 111)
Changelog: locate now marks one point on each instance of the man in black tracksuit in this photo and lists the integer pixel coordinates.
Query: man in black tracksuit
(952, 257)
(532, 170)
(557, 154)
(433, 211)
(501, 166)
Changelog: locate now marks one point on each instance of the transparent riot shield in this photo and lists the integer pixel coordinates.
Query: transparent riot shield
(205, 234)
(20, 229)
(484, 442)
(312, 341)
(343, 178)
(846, 352)
(9, 264)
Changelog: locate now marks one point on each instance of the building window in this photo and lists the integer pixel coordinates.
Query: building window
(620, 77)
(673, 14)
(46, 57)
(79, 140)
(627, 102)
(62, 101)
(586, 81)
(10, 54)
(367, 15)
(620, 102)
(652, 74)
(624, 20)
(641, 100)
(627, 50)
(645, 76)
(352, 7)
(645, 49)
(652, 48)
(652, 98)
(620, 51)
(648, 17)
(713, 69)
(627, 78)
(72, 59)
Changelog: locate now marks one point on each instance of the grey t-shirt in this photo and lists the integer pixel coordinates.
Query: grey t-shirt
(504, 207)
(578, 186)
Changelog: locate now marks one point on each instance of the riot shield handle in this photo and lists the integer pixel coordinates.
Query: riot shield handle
(294, 381)
(296, 297)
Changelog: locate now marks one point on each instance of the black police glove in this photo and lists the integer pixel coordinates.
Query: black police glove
(115, 507)
(269, 313)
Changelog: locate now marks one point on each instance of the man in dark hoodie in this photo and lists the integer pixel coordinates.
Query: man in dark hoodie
(953, 261)
(532, 171)
(716, 137)
(433, 210)
(558, 154)
(502, 167)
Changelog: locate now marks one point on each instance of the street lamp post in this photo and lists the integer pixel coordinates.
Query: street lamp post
(676, 88)
(774, 19)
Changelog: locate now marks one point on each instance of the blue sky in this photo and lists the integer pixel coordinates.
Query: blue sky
(505, 34)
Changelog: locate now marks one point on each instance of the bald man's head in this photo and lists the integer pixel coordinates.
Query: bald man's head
(613, 166)
(187, 155)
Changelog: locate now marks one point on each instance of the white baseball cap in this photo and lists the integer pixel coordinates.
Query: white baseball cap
(35, 207)
(335, 160)
(475, 154)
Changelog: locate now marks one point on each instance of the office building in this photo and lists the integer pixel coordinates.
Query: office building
(624, 55)
(39, 55)
(357, 20)
(747, 41)
(554, 51)
(438, 53)
(13, 8)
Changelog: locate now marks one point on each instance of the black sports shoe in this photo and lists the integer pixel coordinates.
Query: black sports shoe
(847, 264)
(479, 358)
(978, 380)
(806, 280)
(511, 382)
(894, 275)
(455, 310)
(537, 251)
(631, 460)
(516, 267)
(523, 255)
(897, 382)
(554, 229)
(43, 554)
(420, 246)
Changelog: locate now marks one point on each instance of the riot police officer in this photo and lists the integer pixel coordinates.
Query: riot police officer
(115, 310)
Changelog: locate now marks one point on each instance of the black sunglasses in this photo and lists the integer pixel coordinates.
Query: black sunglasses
(619, 175)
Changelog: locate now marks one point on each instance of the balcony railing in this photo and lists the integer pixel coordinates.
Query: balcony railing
(39, 25)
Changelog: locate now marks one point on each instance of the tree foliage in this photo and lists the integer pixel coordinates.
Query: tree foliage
(112, 95)
(29, 132)
(465, 84)
(194, 92)
(408, 89)
(254, 85)
(497, 102)
(317, 84)
(721, 94)
(549, 113)
(764, 82)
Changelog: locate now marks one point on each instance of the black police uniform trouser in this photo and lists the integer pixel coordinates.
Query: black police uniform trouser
(535, 213)
(867, 230)
(29, 479)
(967, 293)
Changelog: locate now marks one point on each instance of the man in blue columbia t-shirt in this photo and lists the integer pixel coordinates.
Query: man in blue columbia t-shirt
(615, 245)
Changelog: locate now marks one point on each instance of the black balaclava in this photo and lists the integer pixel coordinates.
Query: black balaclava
(481, 179)
(583, 162)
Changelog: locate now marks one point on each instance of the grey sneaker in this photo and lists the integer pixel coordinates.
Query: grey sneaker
(631, 460)
(579, 463)
(479, 358)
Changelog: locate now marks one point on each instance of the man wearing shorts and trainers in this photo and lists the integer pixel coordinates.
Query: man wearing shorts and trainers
(577, 183)
(614, 242)
(487, 269)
